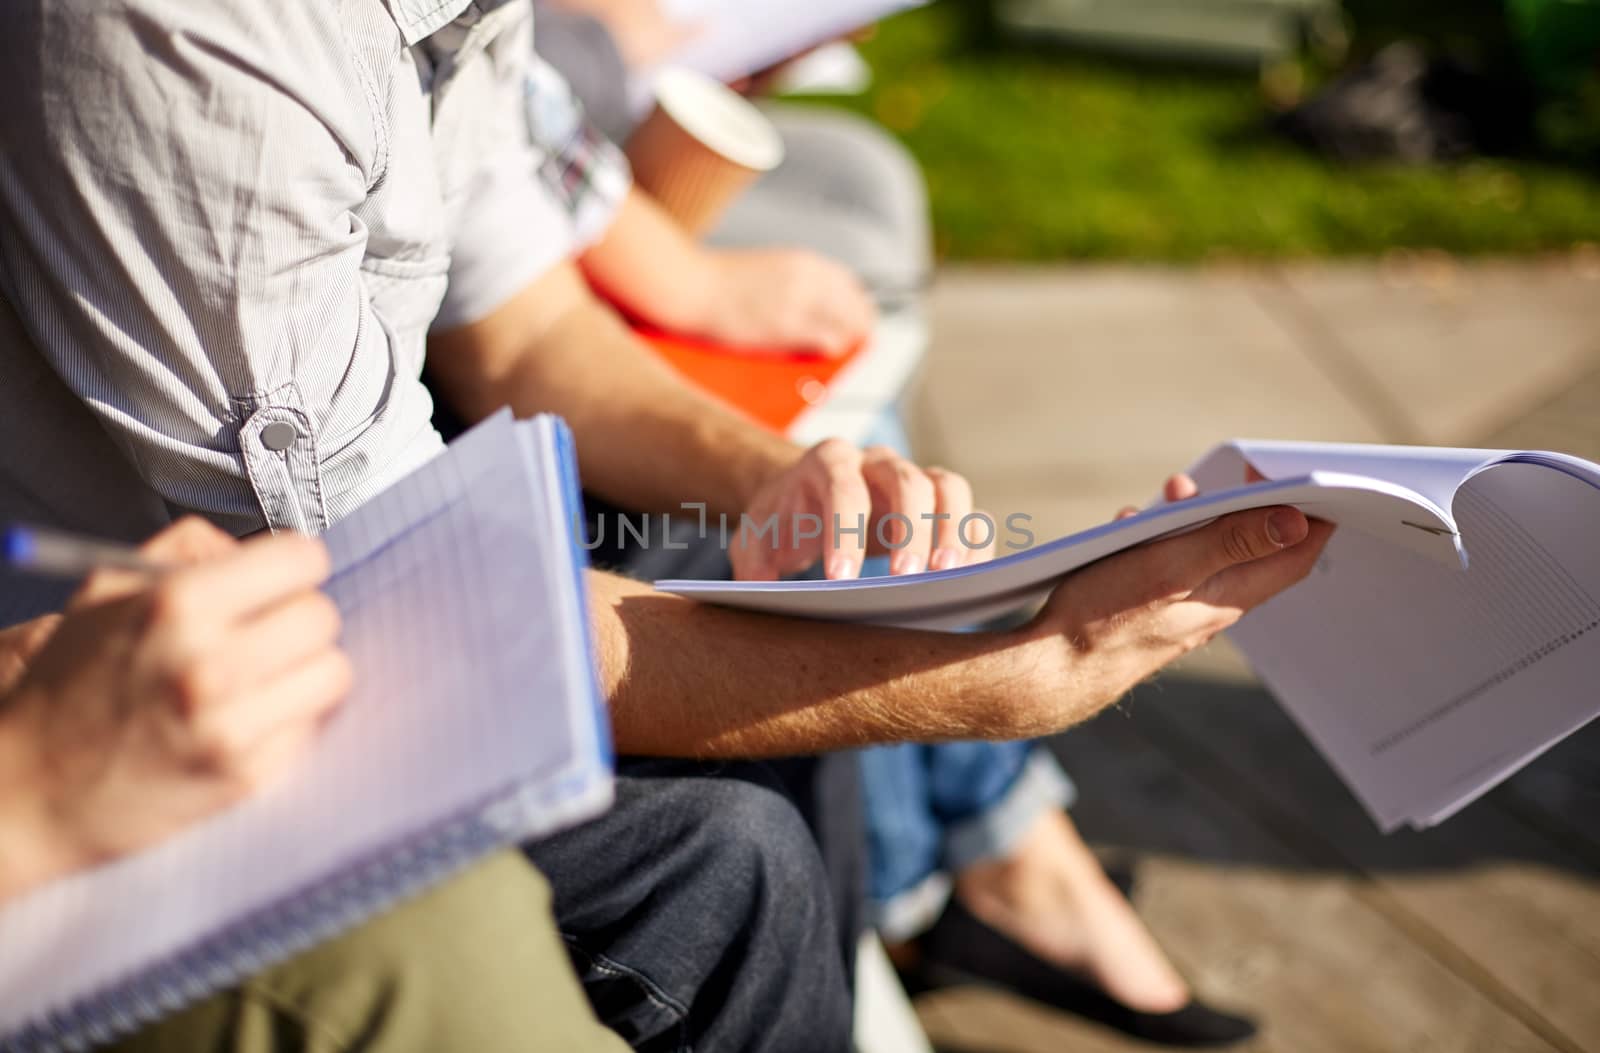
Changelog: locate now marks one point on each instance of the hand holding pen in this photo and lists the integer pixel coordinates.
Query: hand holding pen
(185, 676)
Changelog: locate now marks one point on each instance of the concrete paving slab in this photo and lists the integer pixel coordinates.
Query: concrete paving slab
(1090, 386)
(1456, 349)
(1065, 393)
(1568, 423)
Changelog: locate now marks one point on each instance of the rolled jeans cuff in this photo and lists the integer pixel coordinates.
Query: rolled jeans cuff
(1039, 786)
(909, 914)
(1042, 785)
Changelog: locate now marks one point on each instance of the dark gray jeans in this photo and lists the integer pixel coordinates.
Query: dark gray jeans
(699, 912)
(716, 906)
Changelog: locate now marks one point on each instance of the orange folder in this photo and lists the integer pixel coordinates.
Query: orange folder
(771, 389)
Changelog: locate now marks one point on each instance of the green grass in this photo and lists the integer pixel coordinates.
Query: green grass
(1035, 154)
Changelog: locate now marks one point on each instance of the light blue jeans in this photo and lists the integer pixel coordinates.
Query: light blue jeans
(933, 811)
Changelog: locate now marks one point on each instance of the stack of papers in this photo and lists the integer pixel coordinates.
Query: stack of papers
(475, 723)
(737, 38)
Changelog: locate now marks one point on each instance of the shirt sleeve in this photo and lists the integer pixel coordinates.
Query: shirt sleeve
(585, 171)
(547, 185)
(181, 239)
(508, 227)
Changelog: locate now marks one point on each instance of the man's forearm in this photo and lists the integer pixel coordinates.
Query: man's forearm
(689, 680)
(646, 439)
(692, 680)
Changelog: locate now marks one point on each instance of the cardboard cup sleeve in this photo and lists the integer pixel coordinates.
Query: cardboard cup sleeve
(701, 146)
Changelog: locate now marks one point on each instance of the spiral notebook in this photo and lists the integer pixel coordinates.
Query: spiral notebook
(475, 723)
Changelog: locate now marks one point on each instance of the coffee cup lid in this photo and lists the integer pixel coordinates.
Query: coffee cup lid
(720, 117)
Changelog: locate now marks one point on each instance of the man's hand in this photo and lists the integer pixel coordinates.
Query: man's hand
(783, 301)
(1112, 624)
(18, 646)
(780, 300)
(1106, 627)
(841, 504)
(155, 704)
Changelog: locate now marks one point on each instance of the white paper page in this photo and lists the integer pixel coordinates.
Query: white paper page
(1432, 813)
(954, 599)
(464, 690)
(741, 37)
(1576, 467)
(1421, 683)
(542, 447)
(1433, 472)
(833, 69)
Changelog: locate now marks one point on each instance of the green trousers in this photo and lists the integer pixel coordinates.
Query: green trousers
(474, 966)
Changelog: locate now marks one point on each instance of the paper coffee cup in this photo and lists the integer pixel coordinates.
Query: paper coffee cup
(700, 147)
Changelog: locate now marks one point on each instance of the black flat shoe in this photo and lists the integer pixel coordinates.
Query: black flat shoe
(961, 950)
(1122, 876)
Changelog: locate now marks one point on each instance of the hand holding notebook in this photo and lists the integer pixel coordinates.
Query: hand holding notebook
(1450, 633)
(474, 722)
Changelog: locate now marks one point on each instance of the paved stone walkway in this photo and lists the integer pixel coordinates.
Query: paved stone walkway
(1067, 393)
(1075, 391)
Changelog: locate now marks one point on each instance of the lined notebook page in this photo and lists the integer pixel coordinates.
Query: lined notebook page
(469, 693)
(1424, 684)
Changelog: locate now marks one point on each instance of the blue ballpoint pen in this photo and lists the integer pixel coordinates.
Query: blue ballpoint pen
(56, 554)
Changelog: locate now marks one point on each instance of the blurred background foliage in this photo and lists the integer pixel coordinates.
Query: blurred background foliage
(1037, 151)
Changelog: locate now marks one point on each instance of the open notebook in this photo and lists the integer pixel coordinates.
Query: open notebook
(475, 722)
(1450, 634)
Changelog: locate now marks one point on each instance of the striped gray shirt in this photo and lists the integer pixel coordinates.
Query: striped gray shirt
(225, 230)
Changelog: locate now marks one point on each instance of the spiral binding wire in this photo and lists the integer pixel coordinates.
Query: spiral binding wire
(283, 929)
